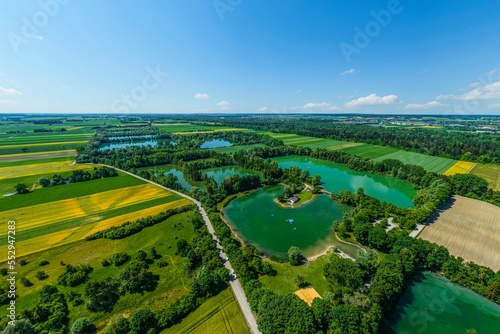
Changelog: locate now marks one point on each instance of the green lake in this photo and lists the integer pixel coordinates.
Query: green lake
(435, 305)
(257, 219)
(337, 177)
(219, 174)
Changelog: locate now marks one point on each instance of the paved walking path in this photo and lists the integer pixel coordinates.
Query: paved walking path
(234, 282)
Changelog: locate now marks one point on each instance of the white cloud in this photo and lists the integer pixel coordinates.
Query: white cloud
(429, 105)
(9, 102)
(9, 91)
(320, 106)
(263, 109)
(487, 92)
(372, 100)
(223, 105)
(349, 71)
(494, 106)
(39, 37)
(202, 96)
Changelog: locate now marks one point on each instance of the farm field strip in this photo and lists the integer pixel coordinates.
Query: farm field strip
(461, 167)
(279, 135)
(28, 145)
(369, 151)
(36, 156)
(300, 141)
(35, 162)
(42, 214)
(151, 211)
(35, 169)
(429, 163)
(326, 143)
(42, 141)
(469, 228)
(341, 146)
(490, 173)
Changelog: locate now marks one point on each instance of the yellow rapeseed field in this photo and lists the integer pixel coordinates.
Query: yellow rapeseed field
(117, 221)
(461, 167)
(37, 244)
(53, 212)
(60, 238)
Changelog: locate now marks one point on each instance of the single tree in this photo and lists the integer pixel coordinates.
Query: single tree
(83, 326)
(21, 188)
(294, 256)
(44, 182)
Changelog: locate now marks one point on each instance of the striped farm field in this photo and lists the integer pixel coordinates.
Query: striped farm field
(470, 229)
(461, 167)
(43, 214)
(55, 234)
(369, 151)
(490, 173)
(429, 163)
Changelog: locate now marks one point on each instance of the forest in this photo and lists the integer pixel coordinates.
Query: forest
(466, 146)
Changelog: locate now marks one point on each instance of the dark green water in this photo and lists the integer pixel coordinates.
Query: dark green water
(219, 174)
(172, 169)
(337, 177)
(435, 305)
(260, 221)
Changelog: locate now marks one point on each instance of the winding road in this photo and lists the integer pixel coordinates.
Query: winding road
(238, 291)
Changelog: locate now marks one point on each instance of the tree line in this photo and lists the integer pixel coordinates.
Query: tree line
(465, 146)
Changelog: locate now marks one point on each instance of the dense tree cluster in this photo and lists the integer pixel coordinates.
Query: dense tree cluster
(130, 228)
(79, 176)
(50, 315)
(74, 275)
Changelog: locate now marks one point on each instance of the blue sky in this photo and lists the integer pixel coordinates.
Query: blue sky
(239, 56)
